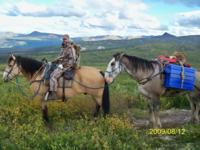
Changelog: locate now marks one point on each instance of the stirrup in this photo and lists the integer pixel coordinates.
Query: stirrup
(51, 96)
(46, 96)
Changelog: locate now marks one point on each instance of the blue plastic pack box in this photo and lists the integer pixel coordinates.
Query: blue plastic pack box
(179, 77)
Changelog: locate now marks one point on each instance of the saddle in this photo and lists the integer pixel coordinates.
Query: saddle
(177, 58)
(64, 81)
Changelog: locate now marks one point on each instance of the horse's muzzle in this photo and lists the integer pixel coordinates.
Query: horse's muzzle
(5, 77)
(109, 80)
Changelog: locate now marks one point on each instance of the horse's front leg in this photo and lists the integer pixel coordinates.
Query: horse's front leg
(152, 120)
(98, 103)
(154, 106)
(44, 111)
(96, 112)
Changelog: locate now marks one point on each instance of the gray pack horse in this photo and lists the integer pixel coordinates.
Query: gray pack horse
(87, 80)
(148, 74)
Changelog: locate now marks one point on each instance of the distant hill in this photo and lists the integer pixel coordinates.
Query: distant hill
(39, 34)
(166, 36)
(38, 41)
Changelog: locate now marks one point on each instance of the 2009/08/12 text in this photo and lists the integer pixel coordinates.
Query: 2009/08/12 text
(167, 131)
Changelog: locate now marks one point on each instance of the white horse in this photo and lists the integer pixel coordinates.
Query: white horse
(149, 76)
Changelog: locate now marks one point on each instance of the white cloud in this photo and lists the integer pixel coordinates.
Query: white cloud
(186, 23)
(181, 31)
(28, 8)
(188, 3)
(189, 19)
(81, 17)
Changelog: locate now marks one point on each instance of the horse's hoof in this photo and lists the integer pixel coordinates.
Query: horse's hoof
(192, 120)
(151, 125)
(196, 121)
(154, 125)
(160, 126)
(95, 115)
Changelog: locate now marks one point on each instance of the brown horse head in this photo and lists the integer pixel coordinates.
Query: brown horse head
(19, 64)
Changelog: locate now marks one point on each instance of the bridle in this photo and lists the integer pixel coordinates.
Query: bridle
(9, 73)
(110, 73)
(120, 66)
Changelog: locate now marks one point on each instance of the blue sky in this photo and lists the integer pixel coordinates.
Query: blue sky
(94, 17)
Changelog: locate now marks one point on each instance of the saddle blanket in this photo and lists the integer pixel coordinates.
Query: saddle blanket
(67, 75)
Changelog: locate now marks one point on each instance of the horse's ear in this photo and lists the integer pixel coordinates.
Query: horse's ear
(13, 57)
(44, 60)
(118, 55)
(121, 54)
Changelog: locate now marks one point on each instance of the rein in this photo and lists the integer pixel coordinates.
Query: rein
(145, 80)
(30, 82)
(89, 87)
(10, 71)
(19, 86)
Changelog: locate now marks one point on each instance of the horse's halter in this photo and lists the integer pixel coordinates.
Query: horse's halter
(9, 73)
(120, 67)
(110, 73)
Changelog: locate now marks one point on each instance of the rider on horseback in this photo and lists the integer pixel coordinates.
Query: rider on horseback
(66, 60)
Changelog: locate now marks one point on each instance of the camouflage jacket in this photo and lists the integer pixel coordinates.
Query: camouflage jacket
(67, 56)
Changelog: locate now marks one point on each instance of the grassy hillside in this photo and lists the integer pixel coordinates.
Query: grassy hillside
(72, 124)
(102, 57)
(73, 127)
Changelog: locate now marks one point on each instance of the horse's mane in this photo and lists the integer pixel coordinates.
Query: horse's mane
(140, 63)
(28, 64)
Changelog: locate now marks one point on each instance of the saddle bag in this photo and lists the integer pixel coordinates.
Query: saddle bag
(68, 74)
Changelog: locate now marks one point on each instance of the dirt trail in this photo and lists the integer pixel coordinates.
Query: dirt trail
(169, 118)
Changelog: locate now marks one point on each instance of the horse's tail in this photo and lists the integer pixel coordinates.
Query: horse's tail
(106, 98)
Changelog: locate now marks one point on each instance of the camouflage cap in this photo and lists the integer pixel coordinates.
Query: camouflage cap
(66, 36)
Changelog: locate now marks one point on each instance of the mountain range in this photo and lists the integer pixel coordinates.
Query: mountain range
(37, 41)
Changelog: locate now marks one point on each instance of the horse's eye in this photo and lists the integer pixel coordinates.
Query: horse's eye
(113, 63)
(9, 65)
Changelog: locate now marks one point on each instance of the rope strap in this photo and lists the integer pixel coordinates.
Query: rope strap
(145, 80)
(89, 87)
(182, 74)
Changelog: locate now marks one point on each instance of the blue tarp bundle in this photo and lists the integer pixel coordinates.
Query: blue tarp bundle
(179, 77)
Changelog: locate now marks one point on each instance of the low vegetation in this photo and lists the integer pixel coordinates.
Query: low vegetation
(72, 125)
